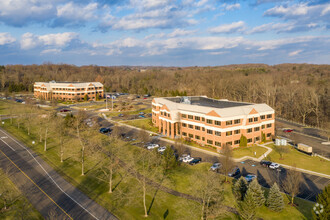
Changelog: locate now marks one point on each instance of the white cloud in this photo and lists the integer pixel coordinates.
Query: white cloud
(73, 11)
(29, 40)
(149, 4)
(294, 53)
(6, 38)
(238, 26)
(54, 51)
(231, 7)
(180, 32)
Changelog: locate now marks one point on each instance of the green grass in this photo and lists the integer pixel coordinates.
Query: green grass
(15, 201)
(142, 123)
(7, 107)
(248, 151)
(300, 160)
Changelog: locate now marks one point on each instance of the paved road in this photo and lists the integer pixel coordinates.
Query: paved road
(44, 188)
(311, 184)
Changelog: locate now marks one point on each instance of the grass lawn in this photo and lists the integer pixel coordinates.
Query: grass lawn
(126, 200)
(140, 123)
(239, 152)
(301, 160)
(15, 201)
(6, 106)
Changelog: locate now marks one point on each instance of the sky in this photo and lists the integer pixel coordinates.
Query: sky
(164, 32)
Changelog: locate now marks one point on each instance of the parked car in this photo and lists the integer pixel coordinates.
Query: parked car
(187, 159)
(142, 116)
(152, 146)
(161, 149)
(215, 166)
(249, 177)
(141, 113)
(274, 166)
(195, 160)
(234, 172)
(64, 110)
(183, 156)
(265, 163)
(121, 115)
(105, 130)
(287, 130)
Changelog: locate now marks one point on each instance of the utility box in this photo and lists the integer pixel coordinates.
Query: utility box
(305, 148)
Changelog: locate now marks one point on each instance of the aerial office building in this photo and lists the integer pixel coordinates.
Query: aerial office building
(67, 90)
(212, 122)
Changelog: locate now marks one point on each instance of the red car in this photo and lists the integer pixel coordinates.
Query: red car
(287, 130)
(64, 110)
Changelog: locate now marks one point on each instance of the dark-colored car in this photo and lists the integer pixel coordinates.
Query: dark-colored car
(265, 163)
(121, 115)
(235, 172)
(105, 130)
(196, 160)
(64, 110)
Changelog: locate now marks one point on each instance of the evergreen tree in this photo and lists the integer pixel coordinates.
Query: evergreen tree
(263, 137)
(275, 199)
(86, 97)
(247, 208)
(240, 188)
(243, 141)
(256, 192)
(321, 210)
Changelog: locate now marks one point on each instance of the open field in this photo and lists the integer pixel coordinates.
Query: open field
(142, 123)
(294, 157)
(126, 200)
(249, 151)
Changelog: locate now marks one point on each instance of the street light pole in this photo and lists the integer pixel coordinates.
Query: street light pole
(106, 101)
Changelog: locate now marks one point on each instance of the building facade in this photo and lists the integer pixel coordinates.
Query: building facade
(70, 91)
(212, 122)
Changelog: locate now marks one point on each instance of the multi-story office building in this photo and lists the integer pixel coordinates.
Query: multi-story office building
(212, 122)
(67, 90)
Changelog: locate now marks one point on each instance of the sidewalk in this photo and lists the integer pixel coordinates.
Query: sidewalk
(269, 150)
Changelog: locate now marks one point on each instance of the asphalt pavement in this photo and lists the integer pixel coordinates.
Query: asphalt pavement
(43, 186)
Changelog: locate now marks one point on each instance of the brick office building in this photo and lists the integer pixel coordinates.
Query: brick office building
(67, 90)
(212, 122)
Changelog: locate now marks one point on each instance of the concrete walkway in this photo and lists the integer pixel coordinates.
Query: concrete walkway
(269, 150)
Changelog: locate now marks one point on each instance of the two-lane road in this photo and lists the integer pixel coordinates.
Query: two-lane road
(43, 186)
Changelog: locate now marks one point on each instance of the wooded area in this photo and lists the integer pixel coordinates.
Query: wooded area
(298, 92)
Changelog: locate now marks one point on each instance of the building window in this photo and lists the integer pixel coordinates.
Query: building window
(197, 118)
(165, 113)
(249, 140)
(218, 144)
(256, 139)
(203, 138)
(229, 122)
(229, 143)
(217, 133)
(217, 123)
(237, 131)
(190, 117)
(262, 126)
(209, 121)
(184, 134)
(269, 125)
(184, 125)
(237, 121)
(269, 116)
(191, 136)
(257, 129)
(203, 129)
(168, 115)
(228, 133)
(183, 115)
(197, 137)
(197, 128)
(249, 130)
(262, 117)
(255, 119)
(209, 131)
(210, 142)
(191, 126)
(269, 134)
(250, 120)
(236, 142)
(203, 119)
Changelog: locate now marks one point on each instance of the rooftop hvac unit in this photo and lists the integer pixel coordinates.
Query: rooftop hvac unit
(185, 100)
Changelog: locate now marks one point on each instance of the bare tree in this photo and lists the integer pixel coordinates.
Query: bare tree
(144, 135)
(226, 160)
(80, 126)
(292, 183)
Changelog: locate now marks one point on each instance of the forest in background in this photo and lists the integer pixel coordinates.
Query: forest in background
(298, 92)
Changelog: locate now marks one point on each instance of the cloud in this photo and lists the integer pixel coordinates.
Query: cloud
(231, 7)
(294, 53)
(180, 32)
(238, 26)
(283, 27)
(60, 40)
(6, 38)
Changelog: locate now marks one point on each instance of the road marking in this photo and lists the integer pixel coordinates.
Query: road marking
(49, 175)
(7, 145)
(4, 137)
(35, 184)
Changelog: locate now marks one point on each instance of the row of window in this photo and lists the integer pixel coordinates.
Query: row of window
(165, 114)
(71, 94)
(262, 117)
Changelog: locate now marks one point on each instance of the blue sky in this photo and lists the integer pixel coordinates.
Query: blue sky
(164, 32)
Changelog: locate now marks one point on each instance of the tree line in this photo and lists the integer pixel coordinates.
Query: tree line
(298, 92)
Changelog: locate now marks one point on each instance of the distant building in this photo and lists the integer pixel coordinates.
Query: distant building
(212, 122)
(67, 90)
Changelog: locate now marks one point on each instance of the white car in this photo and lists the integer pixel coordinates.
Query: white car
(152, 146)
(274, 166)
(188, 159)
(161, 149)
(215, 166)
